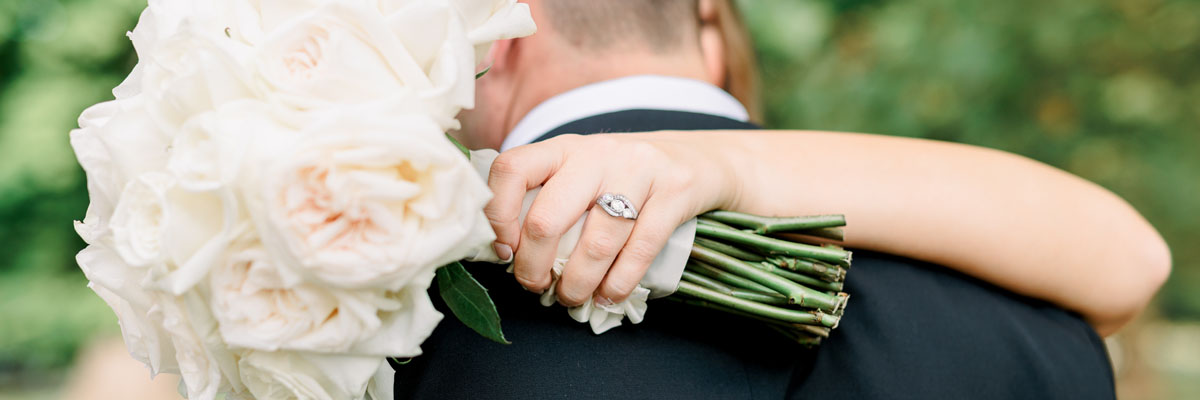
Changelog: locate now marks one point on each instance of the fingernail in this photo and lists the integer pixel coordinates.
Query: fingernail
(503, 251)
(603, 301)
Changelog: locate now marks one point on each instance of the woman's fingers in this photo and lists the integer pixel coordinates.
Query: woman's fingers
(555, 210)
(513, 173)
(602, 239)
(613, 253)
(655, 223)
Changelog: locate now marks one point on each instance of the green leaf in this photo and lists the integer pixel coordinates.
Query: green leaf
(470, 301)
(482, 73)
(464, 149)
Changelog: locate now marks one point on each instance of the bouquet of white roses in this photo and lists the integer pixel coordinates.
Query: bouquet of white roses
(272, 194)
(272, 190)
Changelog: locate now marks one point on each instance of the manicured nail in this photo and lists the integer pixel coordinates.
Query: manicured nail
(603, 301)
(503, 251)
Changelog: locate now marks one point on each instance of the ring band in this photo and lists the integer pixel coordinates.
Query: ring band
(617, 205)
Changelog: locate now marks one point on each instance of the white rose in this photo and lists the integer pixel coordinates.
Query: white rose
(103, 186)
(237, 19)
(490, 20)
(119, 285)
(305, 376)
(170, 334)
(115, 143)
(206, 365)
(175, 233)
(361, 200)
(349, 53)
(257, 310)
(138, 209)
(138, 222)
(209, 150)
(189, 61)
(192, 72)
(311, 52)
(485, 21)
(450, 66)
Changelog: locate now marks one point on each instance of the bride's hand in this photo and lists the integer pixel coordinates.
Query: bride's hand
(668, 179)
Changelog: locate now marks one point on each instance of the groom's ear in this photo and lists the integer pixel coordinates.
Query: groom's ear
(500, 56)
(712, 43)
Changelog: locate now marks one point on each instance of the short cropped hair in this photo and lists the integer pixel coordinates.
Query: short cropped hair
(661, 25)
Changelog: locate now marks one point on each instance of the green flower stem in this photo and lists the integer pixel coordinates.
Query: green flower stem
(801, 338)
(823, 271)
(825, 233)
(818, 331)
(781, 314)
(796, 293)
(692, 301)
(768, 225)
(726, 277)
(729, 250)
(843, 299)
(460, 146)
(774, 246)
(694, 277)
(798, 278)
(765, 298)
(790, 327)
(713, 222)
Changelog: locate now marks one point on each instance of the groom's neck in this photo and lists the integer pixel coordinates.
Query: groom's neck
(553, 76)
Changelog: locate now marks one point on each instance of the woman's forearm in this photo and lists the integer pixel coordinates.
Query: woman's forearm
(1006, 219)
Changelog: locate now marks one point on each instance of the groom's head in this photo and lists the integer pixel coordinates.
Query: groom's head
(586, 41)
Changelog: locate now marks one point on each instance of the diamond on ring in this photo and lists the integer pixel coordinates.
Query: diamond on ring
(617, 205)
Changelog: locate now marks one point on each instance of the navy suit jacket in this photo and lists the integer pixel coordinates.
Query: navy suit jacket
(911, 330)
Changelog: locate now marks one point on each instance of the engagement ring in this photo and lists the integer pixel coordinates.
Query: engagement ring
(617, 205)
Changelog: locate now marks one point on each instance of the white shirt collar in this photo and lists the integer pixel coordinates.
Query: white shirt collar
(648, 92)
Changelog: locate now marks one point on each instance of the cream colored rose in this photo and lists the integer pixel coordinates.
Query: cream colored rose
(359, 200)
(349, 53)
(135, 205)
(257, 310)
(310, 53)
(206, 363)
(191, 73)
(306, 376)
(168, 333)
(115, 143)
(307, 135)
(119, 285)
(175, 234)
(209, 150)
(490, 20)
(139, 221)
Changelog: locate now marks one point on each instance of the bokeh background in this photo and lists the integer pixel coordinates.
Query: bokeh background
(1106, 89)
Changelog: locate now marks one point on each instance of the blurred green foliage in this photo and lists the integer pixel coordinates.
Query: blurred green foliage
(56, 57)
(1105, 89)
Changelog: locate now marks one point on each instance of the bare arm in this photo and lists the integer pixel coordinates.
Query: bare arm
(1003, 218)
(1006, 219)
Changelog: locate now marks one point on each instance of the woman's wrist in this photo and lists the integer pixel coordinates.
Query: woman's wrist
(718, 160)
(734, 153)
(737, 164)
